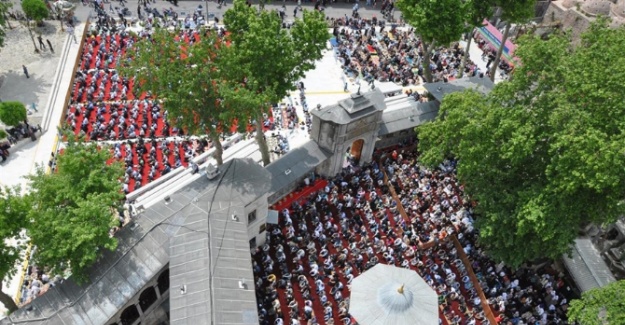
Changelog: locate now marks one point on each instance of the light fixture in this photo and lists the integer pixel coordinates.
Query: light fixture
(183, 289)
(234, 217)
(167, 200)
(242, 284)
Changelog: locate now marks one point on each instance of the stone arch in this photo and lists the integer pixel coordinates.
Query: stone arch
(130, 315)
(147, 298)
(163, 282)
(355, 151)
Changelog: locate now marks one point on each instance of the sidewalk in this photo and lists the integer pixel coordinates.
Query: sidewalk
(26, 157)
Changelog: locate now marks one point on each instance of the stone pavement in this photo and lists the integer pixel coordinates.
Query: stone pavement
(27, 155)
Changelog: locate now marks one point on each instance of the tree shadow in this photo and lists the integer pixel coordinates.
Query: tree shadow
(20, 152)
(16, 87)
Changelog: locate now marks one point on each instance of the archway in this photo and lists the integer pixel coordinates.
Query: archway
(163, 282)
(354, 153)
(129, 315)
(147, 298)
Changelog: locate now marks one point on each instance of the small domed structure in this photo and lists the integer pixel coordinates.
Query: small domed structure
(597, 7)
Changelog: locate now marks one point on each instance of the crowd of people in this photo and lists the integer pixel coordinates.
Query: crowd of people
(106, 107)
(322, 242)
(147, 159)
(368, 50)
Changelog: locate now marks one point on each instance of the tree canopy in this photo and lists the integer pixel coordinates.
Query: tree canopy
(265, 60)
(12, 113)
(513, 12)
(600, 306)
(4, 9)
(13, 215)
(186, 78)
(436, 22)
(35, 9)
(541, 154)
(73, 209)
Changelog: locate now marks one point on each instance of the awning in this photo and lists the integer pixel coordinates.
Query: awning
(587, 267)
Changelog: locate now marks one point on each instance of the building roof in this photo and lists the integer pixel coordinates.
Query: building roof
(194, 232)
(295, 164)
(440, 89)
(587, 267)
(346, 110)
(407, 113)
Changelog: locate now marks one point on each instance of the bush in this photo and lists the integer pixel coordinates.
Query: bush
(35, 9)
(3, 134)
(12, 113)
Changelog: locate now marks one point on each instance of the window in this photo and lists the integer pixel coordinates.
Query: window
(251, 217)
(253, 242)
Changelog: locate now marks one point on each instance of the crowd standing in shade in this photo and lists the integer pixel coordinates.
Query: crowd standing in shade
(304, 271)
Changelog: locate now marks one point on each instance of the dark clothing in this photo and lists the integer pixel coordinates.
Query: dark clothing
(50, 45)
(25, 71)
(42, 46)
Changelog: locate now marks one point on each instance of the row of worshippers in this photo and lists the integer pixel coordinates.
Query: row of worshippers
(395, 55)
(141, 158)
(355, 228)
(100, 85)
(337, 230)
(520, 297)
(120, 120)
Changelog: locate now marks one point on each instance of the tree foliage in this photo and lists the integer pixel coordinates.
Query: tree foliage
(513, 12)
(4, 21)
(13, 216)
(436, 22)
(477, 11)
(186, 77)
(600, 306)
(73, 209)
(12, 113)
(35, 9)
(543, 153)
(265, 60)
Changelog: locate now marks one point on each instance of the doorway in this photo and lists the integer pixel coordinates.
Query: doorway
(354, 153)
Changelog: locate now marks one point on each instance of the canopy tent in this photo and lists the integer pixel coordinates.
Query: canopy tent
(390, 295)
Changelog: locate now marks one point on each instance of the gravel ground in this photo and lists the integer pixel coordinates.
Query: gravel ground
(19, 50)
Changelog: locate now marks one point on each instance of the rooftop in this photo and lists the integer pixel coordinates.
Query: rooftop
(188, 231)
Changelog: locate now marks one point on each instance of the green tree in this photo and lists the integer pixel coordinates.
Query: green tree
(186, 78)
(600, 306)
(265, 60)
(35, 9)
(477, 11)
(13, 216)
(4, 19)
(541, 154)
(437, 22)
(74, 208)
(12, 113)
(513, 12)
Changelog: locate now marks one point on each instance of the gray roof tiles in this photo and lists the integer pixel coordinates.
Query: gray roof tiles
(176, 233)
